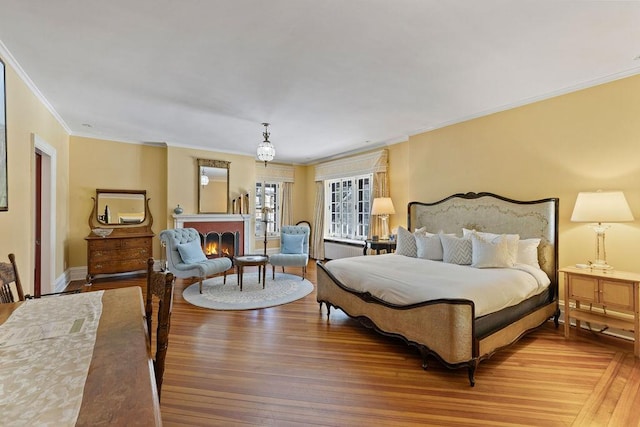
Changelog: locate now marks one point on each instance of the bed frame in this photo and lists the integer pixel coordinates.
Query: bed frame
(448, 329)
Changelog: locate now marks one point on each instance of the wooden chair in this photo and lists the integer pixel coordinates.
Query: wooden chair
(159, 285)
(8, 275)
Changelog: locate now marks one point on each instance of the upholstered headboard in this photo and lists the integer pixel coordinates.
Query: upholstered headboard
(495, 214)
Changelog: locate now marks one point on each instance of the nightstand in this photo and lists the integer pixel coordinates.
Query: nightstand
(616, 292)
(378, 245)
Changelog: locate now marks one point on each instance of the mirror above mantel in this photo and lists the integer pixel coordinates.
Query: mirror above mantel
(213, 186)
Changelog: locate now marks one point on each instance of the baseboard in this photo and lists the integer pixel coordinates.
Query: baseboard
(80, 273)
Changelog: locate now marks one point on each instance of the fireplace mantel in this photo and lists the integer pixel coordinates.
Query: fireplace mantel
(180, 220)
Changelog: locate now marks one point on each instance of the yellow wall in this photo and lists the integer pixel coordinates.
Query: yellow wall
(26, 116)
(96, 163)
(583, 141)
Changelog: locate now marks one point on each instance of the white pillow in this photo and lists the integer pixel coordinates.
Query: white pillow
(406, 243)
(456, 250)
(512, 241)
(492, 253)
(421, 230)
(528, 252)
(429, 246)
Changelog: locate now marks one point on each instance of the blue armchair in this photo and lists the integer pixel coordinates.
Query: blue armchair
(185, 257)
(294, 249)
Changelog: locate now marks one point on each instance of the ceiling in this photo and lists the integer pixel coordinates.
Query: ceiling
(331, 76)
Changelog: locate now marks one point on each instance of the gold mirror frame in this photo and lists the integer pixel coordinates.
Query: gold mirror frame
(120, 209)
(214, 196)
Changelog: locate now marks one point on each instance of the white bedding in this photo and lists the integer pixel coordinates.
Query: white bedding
(402, 280)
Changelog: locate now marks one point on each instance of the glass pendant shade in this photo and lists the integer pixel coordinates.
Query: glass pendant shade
(266, 151)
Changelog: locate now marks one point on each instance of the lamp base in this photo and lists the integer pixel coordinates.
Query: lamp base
(600, 265)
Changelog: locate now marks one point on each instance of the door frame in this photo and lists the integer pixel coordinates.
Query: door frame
(48, 208)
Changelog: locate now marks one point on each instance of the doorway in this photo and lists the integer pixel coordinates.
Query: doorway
(44, 230)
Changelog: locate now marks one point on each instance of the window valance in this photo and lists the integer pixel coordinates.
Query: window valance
(352, 166)
(274, 173)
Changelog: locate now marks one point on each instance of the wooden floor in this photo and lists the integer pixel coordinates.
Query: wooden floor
(290, 366)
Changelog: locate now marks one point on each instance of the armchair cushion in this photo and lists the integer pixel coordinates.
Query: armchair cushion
(292, 243)
(191, 252)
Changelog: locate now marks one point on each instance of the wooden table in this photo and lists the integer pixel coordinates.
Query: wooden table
(378, 245)
(251, 260)
(120, 388)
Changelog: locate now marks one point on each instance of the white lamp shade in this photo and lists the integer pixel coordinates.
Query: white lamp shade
(601, 206)
(382, 206)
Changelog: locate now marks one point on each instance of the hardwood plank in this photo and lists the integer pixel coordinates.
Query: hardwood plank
(289, 366)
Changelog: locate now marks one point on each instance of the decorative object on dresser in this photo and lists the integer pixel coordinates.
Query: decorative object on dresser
(601, 207)
(130, 243)
(602, 297)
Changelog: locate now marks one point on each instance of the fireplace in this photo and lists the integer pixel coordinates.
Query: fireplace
(215, 244)
(220, 234)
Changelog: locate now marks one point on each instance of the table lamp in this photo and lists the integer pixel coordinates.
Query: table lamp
(383, 207)
(601, 207)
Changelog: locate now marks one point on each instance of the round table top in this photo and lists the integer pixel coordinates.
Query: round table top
(251, 258)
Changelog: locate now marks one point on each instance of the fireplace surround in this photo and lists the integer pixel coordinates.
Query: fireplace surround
(220, 234)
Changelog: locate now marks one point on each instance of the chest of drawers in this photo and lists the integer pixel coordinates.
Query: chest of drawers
(118, 253)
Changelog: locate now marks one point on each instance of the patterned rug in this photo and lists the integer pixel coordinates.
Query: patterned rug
(284, 289)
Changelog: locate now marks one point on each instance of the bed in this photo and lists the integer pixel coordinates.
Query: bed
(416, 299)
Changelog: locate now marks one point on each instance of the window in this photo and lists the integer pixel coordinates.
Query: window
(348, 203)
(267, 208)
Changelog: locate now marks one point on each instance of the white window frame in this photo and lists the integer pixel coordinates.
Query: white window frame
(355, 212)
(273, 203)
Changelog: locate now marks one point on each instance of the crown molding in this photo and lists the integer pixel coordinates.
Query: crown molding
(10, 60)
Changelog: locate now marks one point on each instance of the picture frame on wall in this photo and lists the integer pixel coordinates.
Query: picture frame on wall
(4, 199)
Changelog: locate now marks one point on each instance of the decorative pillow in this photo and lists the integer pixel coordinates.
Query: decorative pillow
(528, 252)
(292, 243)
(512, 241)
(422, 230)
(428, 246)
(406, 244)
(456, 250)
(191, 252)
(492, 253)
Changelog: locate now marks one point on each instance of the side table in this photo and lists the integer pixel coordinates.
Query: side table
(251, 260)
(378, 245)
(613, 290)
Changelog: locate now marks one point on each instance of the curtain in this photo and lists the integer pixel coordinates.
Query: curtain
(379, 188)
(286, 205)
(316, 249)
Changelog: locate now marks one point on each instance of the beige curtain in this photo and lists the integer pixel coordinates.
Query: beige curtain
(379, 188)
(316, 249)
(286, 205)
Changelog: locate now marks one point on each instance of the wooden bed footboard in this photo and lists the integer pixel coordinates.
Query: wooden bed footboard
(420, 325)
(443, 329)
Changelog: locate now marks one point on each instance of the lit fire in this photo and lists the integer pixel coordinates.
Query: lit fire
(212, 249)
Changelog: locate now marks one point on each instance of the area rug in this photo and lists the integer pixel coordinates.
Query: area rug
(284, 289)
